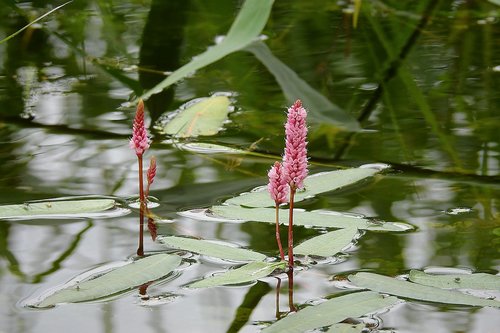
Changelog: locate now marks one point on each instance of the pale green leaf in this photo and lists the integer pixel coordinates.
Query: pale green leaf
(346, 328)
(209, 148)
(118, 280)
(41, 209)
(211, 249)
(481, 281)
(496, 2)
(314, 184)
(332, 311)
(320, 109)
(415, 291)
(328, 244)
(247, 273)
(322, 219)
(246, 27)
(204, 117)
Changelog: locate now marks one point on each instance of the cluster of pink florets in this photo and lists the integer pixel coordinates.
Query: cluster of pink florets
(139, 141)
(293, 170)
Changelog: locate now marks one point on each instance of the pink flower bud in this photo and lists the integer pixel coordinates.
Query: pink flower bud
(278, 186)
(295, 158)
(140, 140)
(152, 170)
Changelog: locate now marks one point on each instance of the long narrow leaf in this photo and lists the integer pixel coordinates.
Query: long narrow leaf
(118, 280)
(327, 244)
(321, 110)
(415, 291)
(33, 22)
(332, 311)
(246, 27)
(481, 281)
(211, 249)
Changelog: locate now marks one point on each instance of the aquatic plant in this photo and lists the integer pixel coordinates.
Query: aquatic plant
(140, 143)
(295, 160)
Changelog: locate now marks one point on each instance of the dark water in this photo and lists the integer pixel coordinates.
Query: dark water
(422, 77)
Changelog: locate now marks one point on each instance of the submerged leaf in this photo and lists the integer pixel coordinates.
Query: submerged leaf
(50, 208)
(481, 281)
(211, 249)
(247, 273)
(332, 311)
(322, 219)
(328, 244)
(118, 280)
(415, 291)
(205, 117)
(246, 27)
(314, 184)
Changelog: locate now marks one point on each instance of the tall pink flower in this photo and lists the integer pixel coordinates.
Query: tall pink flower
(140, 140)
(278, 183)
(295, 159)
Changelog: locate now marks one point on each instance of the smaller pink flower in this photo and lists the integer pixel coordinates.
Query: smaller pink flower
(140, 141)
(278, 185)
(152, 170)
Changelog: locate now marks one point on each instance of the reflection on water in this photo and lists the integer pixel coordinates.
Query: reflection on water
(63, 133)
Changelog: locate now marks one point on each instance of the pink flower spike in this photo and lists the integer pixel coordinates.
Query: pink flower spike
(278, 185)
(140, 140)
(295, 159)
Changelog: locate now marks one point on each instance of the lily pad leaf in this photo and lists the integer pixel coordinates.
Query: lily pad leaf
(323, 219)
(415, 291)
(328, 244)
(113, 282)
(204, 116)
(211, 249)
(314, 184)
(480, 281)
(50, 209)
(247, 273)
(246, 27)
(332, 311)
(321, 110)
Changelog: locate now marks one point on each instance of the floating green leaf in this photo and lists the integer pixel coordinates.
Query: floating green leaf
(246, 27)
(321, 110)
(332, 311)
(415, 291)
(314, 219)
(328, 244)
(346, 328)
(42, 209)
(247, 273)
(209, 148)
(118, 280)
(204, 117)
(211, 249)
(481, 281)
(314, 184)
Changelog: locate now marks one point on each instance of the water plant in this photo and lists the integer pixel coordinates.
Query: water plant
(278, 188)
(140, 143)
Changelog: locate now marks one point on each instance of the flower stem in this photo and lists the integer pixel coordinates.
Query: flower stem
(290, 228)
(290, 291)
(140, 249)
(278, 238)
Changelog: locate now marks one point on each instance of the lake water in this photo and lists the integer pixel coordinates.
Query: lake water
(422, 78)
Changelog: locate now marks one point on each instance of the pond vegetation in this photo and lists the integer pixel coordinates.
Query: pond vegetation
(391, 213)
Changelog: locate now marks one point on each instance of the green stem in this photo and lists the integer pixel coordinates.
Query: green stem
(290, 228)
(140, 249)
(278, 238)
